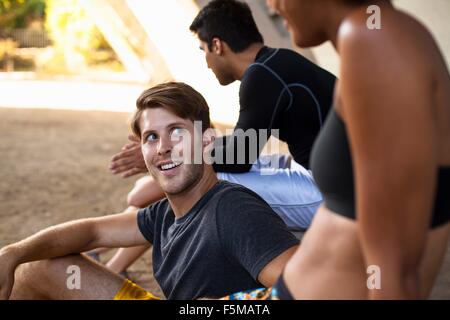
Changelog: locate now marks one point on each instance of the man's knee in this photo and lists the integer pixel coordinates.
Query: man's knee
(133, 199)
(31, 270)
(29, 279)
(39, 271)
(138, 197)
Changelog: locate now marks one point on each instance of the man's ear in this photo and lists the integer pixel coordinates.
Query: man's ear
(209, 136)
(217, 46)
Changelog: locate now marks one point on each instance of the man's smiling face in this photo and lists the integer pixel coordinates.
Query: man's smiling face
(167, 143)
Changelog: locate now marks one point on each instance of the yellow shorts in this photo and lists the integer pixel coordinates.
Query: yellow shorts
(131, 291)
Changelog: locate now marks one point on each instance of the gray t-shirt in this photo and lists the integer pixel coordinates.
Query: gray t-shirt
(217, 248)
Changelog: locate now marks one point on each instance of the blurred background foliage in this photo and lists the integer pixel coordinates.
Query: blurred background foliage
(59, 35)
(19, 13)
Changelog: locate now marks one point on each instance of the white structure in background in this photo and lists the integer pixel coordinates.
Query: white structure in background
(153, 41)
(167, 25)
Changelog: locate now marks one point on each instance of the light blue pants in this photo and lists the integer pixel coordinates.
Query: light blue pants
(285, 185)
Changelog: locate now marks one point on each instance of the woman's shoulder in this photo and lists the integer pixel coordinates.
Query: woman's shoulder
(384, 31)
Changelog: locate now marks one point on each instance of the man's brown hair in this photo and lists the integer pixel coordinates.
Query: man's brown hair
(177, 97)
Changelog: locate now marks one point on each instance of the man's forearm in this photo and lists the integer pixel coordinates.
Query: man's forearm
(229, 151)
(63, 239)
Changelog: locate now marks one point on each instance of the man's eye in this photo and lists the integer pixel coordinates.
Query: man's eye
(177, 133)
(152, 137)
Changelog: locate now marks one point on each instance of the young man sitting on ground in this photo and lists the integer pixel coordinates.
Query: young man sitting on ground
(210, 238)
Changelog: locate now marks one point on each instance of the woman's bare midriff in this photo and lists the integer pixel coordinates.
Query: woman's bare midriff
(329, 262)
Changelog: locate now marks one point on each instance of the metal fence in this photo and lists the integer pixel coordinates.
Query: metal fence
(27, 38)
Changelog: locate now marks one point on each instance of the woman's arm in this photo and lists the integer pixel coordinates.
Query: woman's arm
(385, 95)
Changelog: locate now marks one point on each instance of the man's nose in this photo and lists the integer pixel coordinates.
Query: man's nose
(164, 146)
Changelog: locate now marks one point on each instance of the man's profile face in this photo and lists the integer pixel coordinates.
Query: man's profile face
(167, 143)
(216, 64)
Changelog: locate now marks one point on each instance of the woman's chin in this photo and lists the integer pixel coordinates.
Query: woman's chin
(304, 42)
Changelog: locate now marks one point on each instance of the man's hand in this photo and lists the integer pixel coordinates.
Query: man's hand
(7, 269)
(129, 161)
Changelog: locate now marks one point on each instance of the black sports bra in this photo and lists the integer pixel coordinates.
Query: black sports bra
(332, 169)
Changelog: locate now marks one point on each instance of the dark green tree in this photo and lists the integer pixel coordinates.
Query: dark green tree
(18, 13)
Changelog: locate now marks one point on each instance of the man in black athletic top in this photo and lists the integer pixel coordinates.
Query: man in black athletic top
(280, 89)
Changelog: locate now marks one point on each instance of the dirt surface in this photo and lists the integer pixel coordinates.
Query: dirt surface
(53, 168)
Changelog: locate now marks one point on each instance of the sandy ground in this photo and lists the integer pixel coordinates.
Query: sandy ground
(53, 168)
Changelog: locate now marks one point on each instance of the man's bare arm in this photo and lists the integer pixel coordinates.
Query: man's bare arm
(272, 271)
(118, 230)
